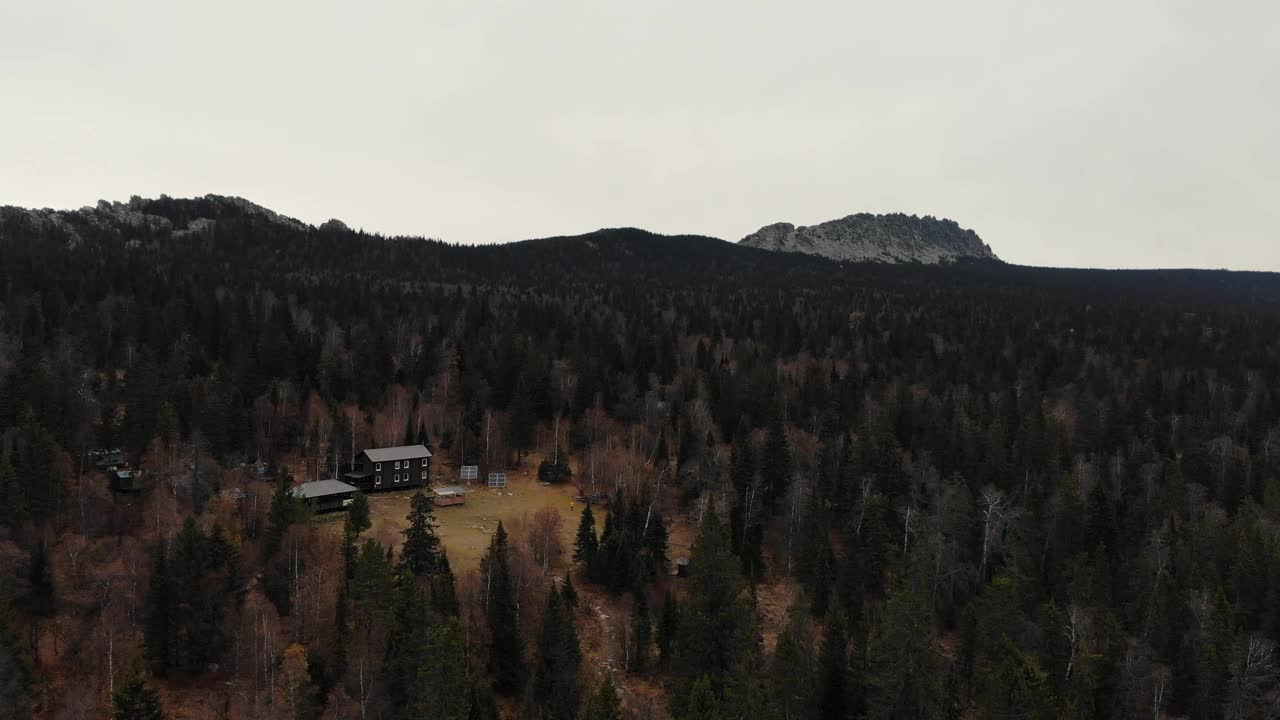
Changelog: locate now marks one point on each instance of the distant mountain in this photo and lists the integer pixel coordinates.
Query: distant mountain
(893, 238)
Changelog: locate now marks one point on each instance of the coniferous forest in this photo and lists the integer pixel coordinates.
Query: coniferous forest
(812, 489)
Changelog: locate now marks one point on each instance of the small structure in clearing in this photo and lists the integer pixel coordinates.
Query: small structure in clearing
(452, 495)
(324, 495)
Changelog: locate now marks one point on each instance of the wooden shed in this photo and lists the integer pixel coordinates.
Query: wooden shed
(325, 495)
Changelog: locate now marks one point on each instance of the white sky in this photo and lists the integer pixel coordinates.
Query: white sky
(1117, 133)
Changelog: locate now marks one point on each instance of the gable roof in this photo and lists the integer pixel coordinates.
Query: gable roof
(402, 452)
(320, 488)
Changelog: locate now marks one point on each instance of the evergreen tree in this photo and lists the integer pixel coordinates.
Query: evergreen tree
(834, 690)
(557, 694)
(158, 633)
(668, 626)
(794, 667)
(555, 469)
(775, 463)
(136, 701)
(715, 622)
(441, 673)
(603, 703)
(444, 594)
(285, 510)
(641, 632)
(15, 672)
(568, 592)
(585, 544)
(703, 703)
(358, 512)
(506, 661)
(420, 552)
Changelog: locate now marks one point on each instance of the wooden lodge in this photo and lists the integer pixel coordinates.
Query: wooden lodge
(393, 468)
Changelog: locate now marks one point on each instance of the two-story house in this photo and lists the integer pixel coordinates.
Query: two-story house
(393, 468)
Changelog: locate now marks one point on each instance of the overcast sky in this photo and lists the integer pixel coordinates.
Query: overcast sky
(1115, 133)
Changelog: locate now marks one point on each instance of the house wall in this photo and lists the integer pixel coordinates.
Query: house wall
(412, 473)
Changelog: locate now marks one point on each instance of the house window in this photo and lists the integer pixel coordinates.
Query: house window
(377, 467)
(424, 474)
(377, 479)
(424, 462)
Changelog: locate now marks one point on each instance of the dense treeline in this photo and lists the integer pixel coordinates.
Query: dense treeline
(999, 491)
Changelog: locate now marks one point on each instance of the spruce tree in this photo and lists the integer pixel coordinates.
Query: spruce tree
(775, 463)
(668, 627)
(358, 512)
(158, 633)
(285, 510)
(641, 632)
(603, 703)
(833, 701)
(442, 673)
(794, 666)
(15, 671)
(568, 592)
(497, 594)
(136, 701)
(557, 694)
(444, 594)
(715, 622)
(585, 543)
(420, 552)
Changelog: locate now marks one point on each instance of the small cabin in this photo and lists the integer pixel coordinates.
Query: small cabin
(325, 495)
(454, 495)
(126, 482)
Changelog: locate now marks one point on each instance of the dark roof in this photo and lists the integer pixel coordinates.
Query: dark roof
(321, 488)
(402, 452)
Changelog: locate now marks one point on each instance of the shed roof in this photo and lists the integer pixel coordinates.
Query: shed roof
(451, 490)
(321, 488)
(401, 452)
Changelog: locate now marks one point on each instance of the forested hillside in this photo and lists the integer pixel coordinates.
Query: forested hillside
(983, 491)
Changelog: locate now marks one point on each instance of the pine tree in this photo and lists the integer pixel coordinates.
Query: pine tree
(506, 661)
(557, 694)
(420, 552)
(136, 701)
